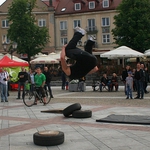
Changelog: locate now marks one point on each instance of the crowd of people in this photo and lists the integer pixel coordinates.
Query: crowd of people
(136, 79)
(35, 77)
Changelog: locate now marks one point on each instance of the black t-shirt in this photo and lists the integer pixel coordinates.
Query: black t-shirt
(139, 75)
(104, 80)
(84, 64)
(48, 76)
(23, 79)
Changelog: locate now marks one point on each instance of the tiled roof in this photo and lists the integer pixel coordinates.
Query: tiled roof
(67, 6)
(54, 3)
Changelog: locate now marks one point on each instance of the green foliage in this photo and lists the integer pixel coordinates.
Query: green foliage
(30, 38)
(132, 24)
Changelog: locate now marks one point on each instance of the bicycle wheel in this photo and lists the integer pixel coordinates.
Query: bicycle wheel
(48, 97)
(29, 99)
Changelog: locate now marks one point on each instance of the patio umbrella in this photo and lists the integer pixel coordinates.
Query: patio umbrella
(122, 52)
(40, 55)
(147, 52)
(44, 60)
(54, 55)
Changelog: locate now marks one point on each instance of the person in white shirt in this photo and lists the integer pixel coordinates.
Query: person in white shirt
(4, 77)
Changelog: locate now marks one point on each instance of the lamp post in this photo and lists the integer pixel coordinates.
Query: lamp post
(4, 46)
(12, 48)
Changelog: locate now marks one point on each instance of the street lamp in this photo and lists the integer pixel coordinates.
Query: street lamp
(4, 46)
(14, 45)
(12, 48)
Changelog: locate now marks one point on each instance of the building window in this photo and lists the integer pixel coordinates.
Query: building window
(63, 25)
(105, 22)
(91, 5)
(91, 25)
(76, 23)
(77, 6)
(5, 39)
(64, 41)
(106, 38)
(105, 3)
(5, 24)
(42, 23)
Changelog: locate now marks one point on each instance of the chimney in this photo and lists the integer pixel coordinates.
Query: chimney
(50, 3)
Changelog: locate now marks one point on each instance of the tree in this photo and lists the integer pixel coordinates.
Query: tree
(132, 24)
(30, 38)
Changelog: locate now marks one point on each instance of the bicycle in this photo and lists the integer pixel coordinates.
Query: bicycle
(29, 98)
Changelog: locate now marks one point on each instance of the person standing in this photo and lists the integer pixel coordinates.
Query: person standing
(4, 77)
(31, 79)
(139, 79)
(39, 80)
(146, 80)
(124, 76)
(129, 85)
(23, 77)
(48, 76)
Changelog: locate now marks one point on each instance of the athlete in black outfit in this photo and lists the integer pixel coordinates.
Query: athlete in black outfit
(85, 61)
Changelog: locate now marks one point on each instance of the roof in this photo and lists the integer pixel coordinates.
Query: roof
(54, 3)
(67, 6)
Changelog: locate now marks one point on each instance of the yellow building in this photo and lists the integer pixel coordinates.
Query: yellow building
(62, 16)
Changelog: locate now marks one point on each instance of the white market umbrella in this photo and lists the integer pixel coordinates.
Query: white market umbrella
(44, 60)
(54, 55)
(147, 52)
(122, 52)
(39, 55)
(15, 58)
(1, 55)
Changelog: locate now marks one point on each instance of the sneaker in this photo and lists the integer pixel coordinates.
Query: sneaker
(82, 31)
(127, 98)
(92, 38)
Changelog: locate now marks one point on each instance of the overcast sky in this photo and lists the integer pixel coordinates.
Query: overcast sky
(2, 1)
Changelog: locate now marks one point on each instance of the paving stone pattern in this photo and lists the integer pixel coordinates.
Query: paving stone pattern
(19, 123)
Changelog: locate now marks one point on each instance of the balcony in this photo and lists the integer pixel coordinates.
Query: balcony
(91, 30)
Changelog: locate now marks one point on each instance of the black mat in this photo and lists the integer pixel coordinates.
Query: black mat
(126, 119)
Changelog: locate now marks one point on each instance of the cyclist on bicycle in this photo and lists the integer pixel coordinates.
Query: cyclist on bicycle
(39, 80)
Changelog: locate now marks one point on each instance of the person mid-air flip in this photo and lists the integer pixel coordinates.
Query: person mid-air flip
(85, 62)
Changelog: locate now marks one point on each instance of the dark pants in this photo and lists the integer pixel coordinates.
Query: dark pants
(85, 61)
(21, 84)
(40, 91)
(49, 88)
(140, 88)
(73, 52)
